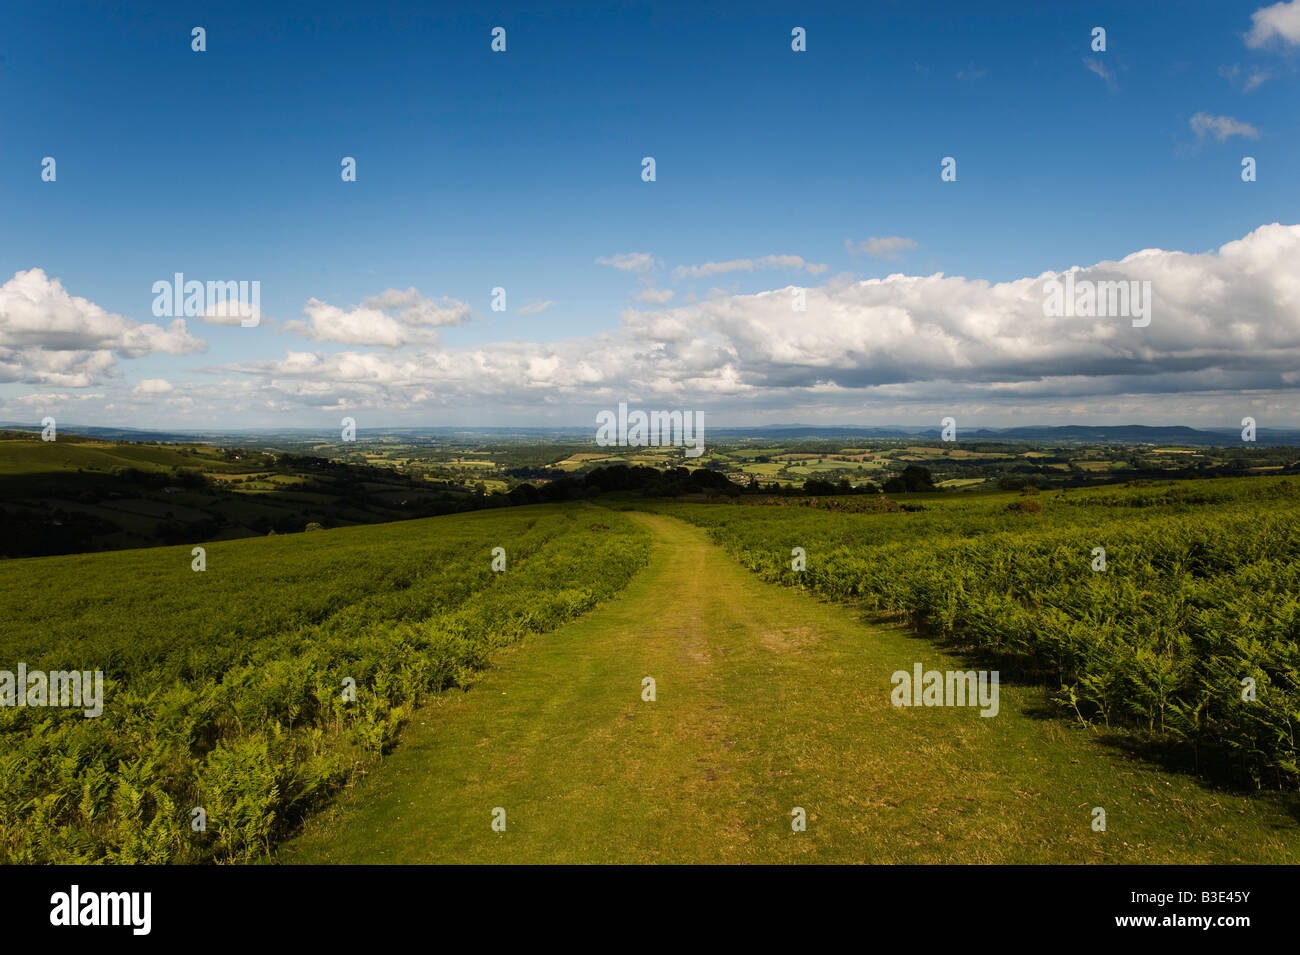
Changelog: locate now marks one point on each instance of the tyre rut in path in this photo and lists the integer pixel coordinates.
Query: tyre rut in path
(767, 700)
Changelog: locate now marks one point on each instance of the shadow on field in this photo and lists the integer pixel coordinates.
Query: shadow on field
(1210, 769)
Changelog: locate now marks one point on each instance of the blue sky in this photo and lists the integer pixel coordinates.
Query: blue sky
(522, 170)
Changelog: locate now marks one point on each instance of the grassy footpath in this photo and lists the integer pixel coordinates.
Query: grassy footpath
(767, 700)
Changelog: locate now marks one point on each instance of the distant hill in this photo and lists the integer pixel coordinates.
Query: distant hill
(1036, 434)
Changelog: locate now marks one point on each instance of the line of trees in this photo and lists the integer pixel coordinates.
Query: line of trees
(676, 482)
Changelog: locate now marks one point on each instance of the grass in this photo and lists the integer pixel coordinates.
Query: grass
(766, 700)
(817, 467)
(576, 461)
(73, 495)
(33, 456)
(222, 688)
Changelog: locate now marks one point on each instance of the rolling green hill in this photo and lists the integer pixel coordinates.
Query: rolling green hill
(77, 494)
(229, 688)
(225, 688)
(766, 701)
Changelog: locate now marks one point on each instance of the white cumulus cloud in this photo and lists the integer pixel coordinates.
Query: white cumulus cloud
(789, 262)
(885, 247)
(535, 307)
(1279, 22)
(1221, 127)
(1223, 323)
(655, 296)
(154, 386)
(391, 319)
(48, 336)
(639, 262)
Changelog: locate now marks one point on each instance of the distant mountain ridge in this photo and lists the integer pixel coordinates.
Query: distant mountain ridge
(1036, 434)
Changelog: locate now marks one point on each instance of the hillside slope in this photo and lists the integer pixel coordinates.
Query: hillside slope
(766, 700)
(253, 687)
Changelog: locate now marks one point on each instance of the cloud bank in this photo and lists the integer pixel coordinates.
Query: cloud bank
(1224, 331)
(1222, 321)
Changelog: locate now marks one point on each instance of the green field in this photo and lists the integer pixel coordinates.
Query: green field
(224, 688)
(766, 700)
(1199, 593)
(522, 690)
(75, 495)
